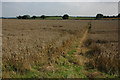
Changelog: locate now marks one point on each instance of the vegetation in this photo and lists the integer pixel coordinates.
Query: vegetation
(99, 16)
(118, 15)
(19, 17)
(60, 49)
(34, 17)
(43, 17)
(56, 48)
(24, 17)
(102, 53)
(65, 16)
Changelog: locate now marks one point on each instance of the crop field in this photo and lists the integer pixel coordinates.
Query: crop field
(60, 49)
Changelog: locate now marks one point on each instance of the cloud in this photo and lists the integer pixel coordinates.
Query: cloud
(60, 8)
(0, 9)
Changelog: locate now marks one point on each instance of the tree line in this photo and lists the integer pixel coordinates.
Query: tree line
(65, 16)
(100, 16)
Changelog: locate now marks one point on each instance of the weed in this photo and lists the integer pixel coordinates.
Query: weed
(71, 52)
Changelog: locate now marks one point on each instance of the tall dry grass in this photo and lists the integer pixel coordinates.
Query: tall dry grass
(103, 44)
(31, 43)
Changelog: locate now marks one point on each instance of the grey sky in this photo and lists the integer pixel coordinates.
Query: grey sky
(0, 9)
(11, 9)
(60, 0)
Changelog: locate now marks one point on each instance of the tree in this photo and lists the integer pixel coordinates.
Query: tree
(26, 17)
(99, 16)
(43, 17)
(65, 16)
(33, 17)
(118, 15)
(107, 16)
(19, 17)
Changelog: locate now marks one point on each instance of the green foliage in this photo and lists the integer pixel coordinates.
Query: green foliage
(99, 16)
(72, 51)
(118, 15)
(33, 17)
(19, 17)
(54, 17)
(68, 70)
(43, 17)
(26, 17)
(65, 16)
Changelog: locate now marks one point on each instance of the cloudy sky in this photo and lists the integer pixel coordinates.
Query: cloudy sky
(59, 0)
(12, 8)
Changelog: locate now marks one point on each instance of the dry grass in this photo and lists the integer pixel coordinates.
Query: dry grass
(104, 47)
(36, 42)
(30, 45)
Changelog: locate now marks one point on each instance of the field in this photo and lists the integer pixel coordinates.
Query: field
(60, 48)
(70, 18)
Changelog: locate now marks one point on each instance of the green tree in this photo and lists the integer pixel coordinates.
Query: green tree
(99, 16)
(65, 16)
(118, 15)
(26, 17)
(33, 17)
(43, 17)
(19, 17)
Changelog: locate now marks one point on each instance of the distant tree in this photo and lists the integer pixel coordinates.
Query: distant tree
(33, 17)
(104, 16)
(43, 17)
(99, 16)
(26, 17)
(113, 16)
(65, 16)
(19, 17)
(118, 15)
(107, 16)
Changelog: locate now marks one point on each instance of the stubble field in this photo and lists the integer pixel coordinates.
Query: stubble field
(60, 48)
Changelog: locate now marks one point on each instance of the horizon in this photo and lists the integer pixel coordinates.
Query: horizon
(45, 15)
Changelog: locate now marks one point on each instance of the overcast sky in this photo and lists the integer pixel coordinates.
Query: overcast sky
(12, 8)
(59, 0)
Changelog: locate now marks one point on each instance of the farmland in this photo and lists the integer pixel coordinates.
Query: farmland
(60, 48)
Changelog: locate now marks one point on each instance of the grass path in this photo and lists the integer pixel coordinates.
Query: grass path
(82, 60)
(75, 61)
(83, 38)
